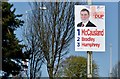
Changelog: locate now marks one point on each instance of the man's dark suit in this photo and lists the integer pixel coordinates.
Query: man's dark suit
(89, 24)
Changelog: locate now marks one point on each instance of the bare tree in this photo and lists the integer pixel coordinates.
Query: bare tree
(32, 49)
(52, 29)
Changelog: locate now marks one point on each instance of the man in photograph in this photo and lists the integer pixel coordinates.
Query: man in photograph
(85, 14)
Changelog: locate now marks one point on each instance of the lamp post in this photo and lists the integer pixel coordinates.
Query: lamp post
(26, 17)
(40, 8)
(27, 11)
(110, 60)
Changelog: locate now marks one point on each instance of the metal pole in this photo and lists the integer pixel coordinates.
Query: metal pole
(26, 17)
(89, 2)
(89, 64)
(89, 55)
(110, 60)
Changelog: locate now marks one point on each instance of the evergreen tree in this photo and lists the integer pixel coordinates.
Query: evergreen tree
(11, 49)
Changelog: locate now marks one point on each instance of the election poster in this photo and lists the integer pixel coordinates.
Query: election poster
(89, 27)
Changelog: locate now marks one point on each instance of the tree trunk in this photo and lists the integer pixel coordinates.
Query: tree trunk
(50, 72)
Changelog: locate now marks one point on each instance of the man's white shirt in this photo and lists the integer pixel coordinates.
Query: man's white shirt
(85, 23)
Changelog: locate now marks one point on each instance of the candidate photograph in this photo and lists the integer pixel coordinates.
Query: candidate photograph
(85, 15)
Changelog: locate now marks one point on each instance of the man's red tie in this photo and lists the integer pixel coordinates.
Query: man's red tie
(82, 25)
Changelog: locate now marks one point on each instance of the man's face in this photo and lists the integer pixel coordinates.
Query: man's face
(84, 15)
